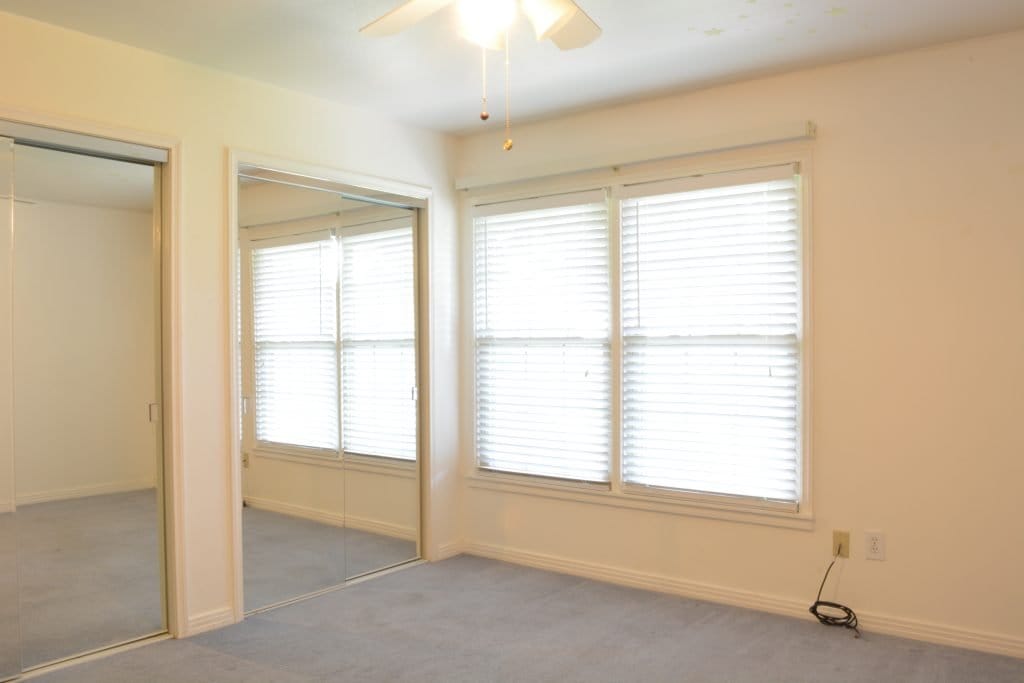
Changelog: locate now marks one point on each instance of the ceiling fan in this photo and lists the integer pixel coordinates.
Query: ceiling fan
(485, 22)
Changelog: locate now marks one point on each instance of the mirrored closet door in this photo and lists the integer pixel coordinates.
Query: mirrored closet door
(81, 565)
(328, 370)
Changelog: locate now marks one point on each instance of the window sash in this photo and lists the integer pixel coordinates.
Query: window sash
(712, 400)
(378, 352)
(542, 402)
(712, 333)
(543, 407)
(293, 311)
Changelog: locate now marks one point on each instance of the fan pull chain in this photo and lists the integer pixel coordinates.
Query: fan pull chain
(508, 98)
(484, 115)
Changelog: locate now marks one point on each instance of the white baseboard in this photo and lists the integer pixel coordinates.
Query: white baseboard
(383, 528)
(292, 510)
(6, 507)
(83, 492)
(207, 621)
(872, 622)
(448, 550)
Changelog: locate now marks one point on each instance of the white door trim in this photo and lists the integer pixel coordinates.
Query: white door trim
(171, 211)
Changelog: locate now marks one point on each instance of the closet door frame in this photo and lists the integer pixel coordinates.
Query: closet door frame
(83, 137)
(419, 198)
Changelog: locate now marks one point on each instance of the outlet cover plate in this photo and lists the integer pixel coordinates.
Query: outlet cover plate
(874, 545)
(840, 543)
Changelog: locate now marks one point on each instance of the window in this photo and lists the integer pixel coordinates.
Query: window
(378, 343)
(294, 291)
(333, 345)
(711, 338)
(708, 349)
(542, 338)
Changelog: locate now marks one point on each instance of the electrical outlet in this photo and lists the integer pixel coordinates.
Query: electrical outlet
(874, 545)
(840, 543)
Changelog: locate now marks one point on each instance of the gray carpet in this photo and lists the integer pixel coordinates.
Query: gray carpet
(287, 557)
(469, 619)
(87, 571)
(10, 661)
(89, 574)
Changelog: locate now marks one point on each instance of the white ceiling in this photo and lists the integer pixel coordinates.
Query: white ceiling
(43, 175)
(429, 77)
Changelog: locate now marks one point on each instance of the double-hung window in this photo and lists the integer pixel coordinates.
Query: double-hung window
(707, 350)
(542, 337)
(331, 360)
(378, 341)
(711, 312)
(294, 314)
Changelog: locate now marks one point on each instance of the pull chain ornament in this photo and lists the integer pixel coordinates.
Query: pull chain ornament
(484, 115)
(508, 99)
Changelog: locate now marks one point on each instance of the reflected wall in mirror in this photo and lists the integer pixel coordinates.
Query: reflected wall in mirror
(82, 450)
(328, 351)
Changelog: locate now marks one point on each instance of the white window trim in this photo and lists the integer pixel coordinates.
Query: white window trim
(615, 494)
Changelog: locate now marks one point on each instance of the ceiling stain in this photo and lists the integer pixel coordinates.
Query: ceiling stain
(714, 32)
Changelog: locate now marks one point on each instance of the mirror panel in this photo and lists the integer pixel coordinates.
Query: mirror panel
(292, 480)
(87, 439)
(328, 348)
(378, 371)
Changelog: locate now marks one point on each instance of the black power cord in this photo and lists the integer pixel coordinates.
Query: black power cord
(834, 613)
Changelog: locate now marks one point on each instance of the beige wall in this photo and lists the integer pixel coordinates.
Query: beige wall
(918, 313)
(85, 355)
(378, 499)
(61, 73)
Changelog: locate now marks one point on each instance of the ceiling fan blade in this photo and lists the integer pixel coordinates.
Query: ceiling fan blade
(579, 31)
(548, 16)
(404, 16)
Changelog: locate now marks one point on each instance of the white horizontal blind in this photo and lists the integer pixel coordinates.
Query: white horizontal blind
(542, 352)
(378, 330)
(294, 290)
(711, 320)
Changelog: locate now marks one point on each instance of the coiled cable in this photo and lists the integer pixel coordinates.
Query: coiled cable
(843, 615)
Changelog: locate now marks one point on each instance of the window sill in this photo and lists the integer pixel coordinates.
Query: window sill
(656, 500)
(394, 467)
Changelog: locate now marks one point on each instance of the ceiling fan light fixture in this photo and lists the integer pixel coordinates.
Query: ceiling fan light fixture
(485, 22)
(548, 16)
